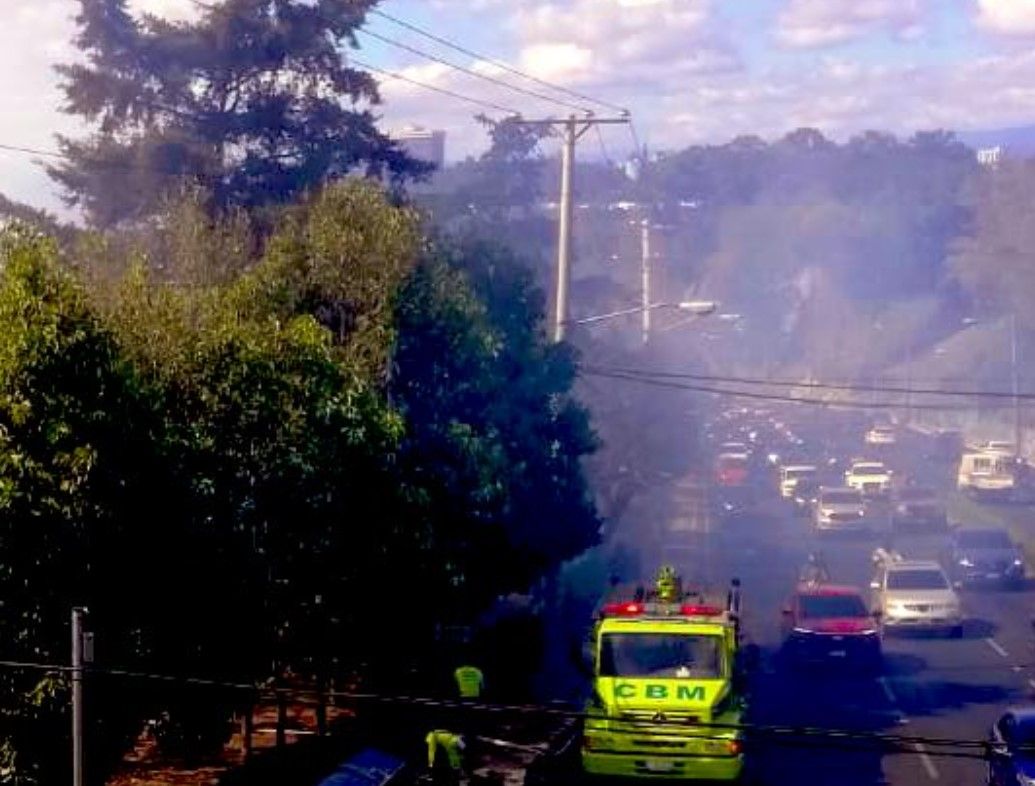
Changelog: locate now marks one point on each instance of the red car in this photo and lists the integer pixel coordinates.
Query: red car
(826, 623)
(731, 470)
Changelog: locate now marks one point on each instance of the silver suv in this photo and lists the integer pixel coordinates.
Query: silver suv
(914, 594)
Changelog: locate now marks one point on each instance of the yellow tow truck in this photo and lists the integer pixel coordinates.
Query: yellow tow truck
(667, 699)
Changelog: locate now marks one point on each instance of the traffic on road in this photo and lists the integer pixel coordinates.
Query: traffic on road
(894, 627)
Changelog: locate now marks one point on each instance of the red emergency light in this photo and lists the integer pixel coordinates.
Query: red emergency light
(622, 609)
(693, 610)
(633, 609)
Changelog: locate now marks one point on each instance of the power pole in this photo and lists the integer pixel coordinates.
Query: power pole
(645, 287)
(1015, 385)
(572, 129)
(79, 656)
(566, 217)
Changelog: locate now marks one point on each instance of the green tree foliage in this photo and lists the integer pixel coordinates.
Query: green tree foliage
(253, 101)
(239, 472)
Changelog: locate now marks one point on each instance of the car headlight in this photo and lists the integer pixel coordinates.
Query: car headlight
(966, 563)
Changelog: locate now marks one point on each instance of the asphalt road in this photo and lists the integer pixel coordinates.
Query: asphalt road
(930, 687)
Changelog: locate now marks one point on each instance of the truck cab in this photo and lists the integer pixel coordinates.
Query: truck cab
(663, 663)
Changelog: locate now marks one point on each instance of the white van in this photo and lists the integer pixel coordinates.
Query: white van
(986, 474)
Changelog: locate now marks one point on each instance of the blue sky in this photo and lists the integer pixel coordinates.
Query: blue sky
(691, 71)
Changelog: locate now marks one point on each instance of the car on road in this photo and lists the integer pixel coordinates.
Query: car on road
(914, 595)
(880, 435)
(981, 555)
(986, 475)
(1011, 760)
(839, 509)
(872, 478)
(732, 469)
(827, 623)
(918, 508)
(794, 474)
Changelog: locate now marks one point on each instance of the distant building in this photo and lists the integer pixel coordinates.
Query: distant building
(423, 144)
(991, 156)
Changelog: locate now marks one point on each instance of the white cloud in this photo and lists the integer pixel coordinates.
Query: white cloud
(820, 23)
(1007, 17)
(603, 41)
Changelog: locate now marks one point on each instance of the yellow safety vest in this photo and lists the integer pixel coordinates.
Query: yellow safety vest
(453, 744)
(469, 682)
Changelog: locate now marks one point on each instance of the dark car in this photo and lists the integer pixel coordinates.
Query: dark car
(1011, 759)
(978, 555)
(917, 508)
(830, 624)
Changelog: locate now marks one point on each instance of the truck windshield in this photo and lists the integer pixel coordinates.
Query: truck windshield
(663, 655)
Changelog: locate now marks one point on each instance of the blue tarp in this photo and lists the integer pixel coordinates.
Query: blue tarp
(369, 767)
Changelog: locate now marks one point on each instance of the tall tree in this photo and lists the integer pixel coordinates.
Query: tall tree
(254, 101)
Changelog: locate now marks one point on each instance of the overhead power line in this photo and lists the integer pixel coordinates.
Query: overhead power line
(787, 383)
(472, 72)
(755, 733)
(434, 88)
(498, 63)
(820, 402)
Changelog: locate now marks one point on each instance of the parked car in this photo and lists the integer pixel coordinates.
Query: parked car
(918, 508)
(1011, 759)
(980, 555)
(830, 624)
(914, 595)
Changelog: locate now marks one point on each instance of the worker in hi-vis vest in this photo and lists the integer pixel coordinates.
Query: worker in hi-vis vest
(470, 682)
(449, 743)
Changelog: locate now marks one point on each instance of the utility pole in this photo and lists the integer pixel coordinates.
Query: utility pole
(566, 218)
(80, 654)
(645, 287)
(1015, 385)
(572, 129)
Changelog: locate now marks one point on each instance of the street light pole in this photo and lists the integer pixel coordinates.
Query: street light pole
(77, 695)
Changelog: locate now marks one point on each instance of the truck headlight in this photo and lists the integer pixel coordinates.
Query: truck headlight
(966, 563)
(1018, 562)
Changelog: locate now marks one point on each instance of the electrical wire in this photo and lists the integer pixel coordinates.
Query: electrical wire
(833, 404)
(472, 72)
(492, 61)
(435, 88)
(787, 383)
(780, 735)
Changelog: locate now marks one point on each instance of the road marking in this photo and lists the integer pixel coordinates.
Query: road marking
(996, 648)
(927, 761)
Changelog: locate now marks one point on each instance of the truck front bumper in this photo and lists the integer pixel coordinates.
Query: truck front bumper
(684, 767)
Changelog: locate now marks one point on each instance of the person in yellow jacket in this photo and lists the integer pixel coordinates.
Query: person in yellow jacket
(470, 682)
(449, 743)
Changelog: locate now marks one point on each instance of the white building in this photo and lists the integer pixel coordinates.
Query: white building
(991, 156)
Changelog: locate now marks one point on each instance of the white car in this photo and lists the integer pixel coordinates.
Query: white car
(871, 478)
(914, 595)
(840, 510)
(880, 435)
